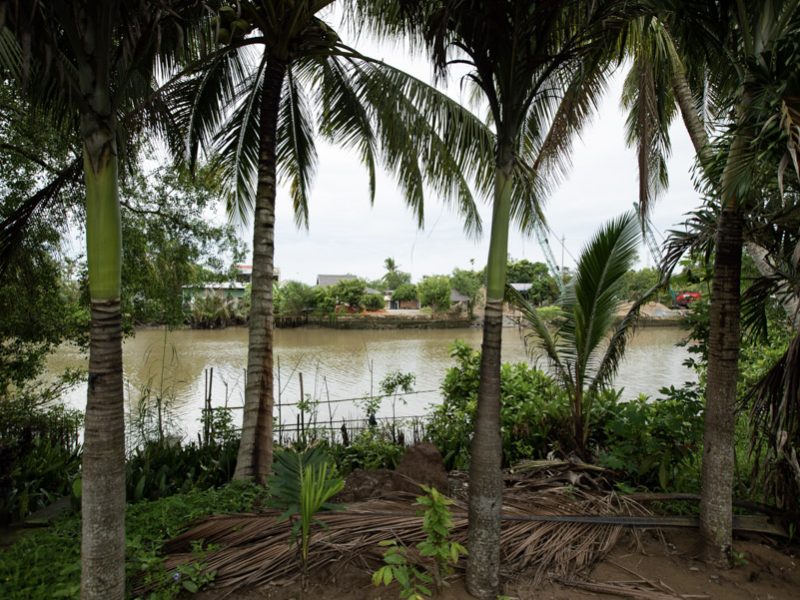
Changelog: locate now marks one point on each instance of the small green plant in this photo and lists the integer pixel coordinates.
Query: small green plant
(413, 582)
(441, 552)
(301, 485)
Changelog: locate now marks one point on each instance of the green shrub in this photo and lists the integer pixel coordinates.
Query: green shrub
(39, 454)
(374, 302)
(371, 449)
(655, 443)
(160, 469)
(649, 443)
(405, 292)
(45, 563)
(534, 416)
(434, 291)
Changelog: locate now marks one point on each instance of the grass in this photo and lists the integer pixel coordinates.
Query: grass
(45, 563)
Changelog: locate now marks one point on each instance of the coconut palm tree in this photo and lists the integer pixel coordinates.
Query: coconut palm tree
(539, 66)
(739, 52)
(281, 75)
(577, 349)
(81, 63)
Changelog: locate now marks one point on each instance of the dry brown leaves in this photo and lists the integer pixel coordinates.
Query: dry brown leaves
(256, 549)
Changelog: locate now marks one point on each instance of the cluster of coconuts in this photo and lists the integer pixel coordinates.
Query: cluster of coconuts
(231, 25)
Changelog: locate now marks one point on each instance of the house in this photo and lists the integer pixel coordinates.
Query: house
(457, 298)
(226, 289)
(329, 280)
(524, 289)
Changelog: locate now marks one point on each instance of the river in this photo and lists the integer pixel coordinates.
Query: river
(339, 365)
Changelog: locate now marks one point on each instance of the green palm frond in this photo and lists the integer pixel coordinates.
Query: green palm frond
(200, 97)
(589, 307)
(237, 144)
(651, 107)
(344, 120)
(579, 100)
(618, 342)
(540, 335)
(593, 296)
(296, 154)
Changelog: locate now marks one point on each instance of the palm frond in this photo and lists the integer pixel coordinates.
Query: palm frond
(254, 549)
(540, 334)
(13, 227)
(619, 342)
(295, 152)
(775, 414)
(344, 120)
(651, 108)
(593, 297)
(237, 144)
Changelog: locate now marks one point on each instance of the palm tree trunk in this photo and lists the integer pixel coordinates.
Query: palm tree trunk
(255, 452)
(103, 463)
(578, 420)
(691, 120)
(716, 516)
(485, 478)
(716, 504)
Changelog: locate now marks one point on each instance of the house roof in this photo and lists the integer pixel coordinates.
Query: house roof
(458, 297)
(326, 280)
(225, 285)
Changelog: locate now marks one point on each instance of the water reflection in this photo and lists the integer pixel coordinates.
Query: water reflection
(339, 365)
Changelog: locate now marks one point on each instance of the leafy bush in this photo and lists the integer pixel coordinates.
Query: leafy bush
(649, 443)
(374, 302)
(160, 469)
(215, 311)
(349, 292)
(371, 449)
(534, 416)
(434, 291)
(441, 552)
(39, 453)
(292, 299)
(405, 292)
(655, 444)
(45, 563)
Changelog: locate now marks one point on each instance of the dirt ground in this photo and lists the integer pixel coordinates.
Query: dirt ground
(659, 569)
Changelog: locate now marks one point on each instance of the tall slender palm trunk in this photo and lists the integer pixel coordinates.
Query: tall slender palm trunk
(716, 509)
(485, 478)
(103, 463)
(716, 502)
(255, 452)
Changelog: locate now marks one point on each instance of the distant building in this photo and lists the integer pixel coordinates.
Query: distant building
(458, 298)
(226, 289)
(329, 280)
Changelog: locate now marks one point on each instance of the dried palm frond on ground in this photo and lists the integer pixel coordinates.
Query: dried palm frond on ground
(255, 549)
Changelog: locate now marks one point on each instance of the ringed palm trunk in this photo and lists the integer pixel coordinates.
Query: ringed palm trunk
(485, 478)
(103, 463)
(716, 510)
(255, 452)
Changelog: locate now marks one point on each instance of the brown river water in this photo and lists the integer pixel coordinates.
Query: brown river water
(339, 365)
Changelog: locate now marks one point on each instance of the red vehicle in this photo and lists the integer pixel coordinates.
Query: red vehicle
(684, 299)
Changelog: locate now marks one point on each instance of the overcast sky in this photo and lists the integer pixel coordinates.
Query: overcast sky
(347, 235)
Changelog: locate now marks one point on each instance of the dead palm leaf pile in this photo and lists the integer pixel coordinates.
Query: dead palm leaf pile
(256, 549)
